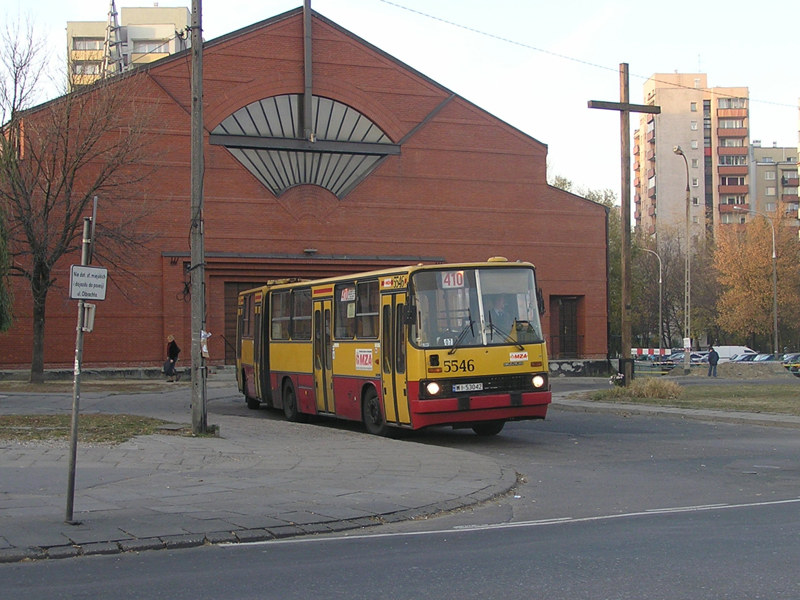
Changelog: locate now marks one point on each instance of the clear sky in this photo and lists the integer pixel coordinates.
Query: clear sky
(558, 56)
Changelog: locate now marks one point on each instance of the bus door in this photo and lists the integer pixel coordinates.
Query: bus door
(393, 359)
(261, 353)
(323, 357)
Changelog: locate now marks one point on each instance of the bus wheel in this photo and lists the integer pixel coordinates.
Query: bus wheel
(290, 409)
(372, 415)
(488, 428)
(252, 403)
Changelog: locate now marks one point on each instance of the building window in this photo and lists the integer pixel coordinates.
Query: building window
(695, 182)
(732, 103)
(83, 67)
(694, 220)
(769, 191)
(87, 43)
(770, 175)
(770, 206)
(695, 200)
(732, 160)
(694, 144)
(731, 124)
(694, 125)
(148, 46)
(766, 159)
(694, 106)
(731, 142)
(731, 180)
(694, 163)
(740, 199)
(791, 191)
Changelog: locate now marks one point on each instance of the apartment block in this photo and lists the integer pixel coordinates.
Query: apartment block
(141, 36)
(710, 126)
(774, 180)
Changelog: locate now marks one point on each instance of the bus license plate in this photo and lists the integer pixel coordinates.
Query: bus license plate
(468, 387)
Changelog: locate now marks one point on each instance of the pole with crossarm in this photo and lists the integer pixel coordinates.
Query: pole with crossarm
(625, 108)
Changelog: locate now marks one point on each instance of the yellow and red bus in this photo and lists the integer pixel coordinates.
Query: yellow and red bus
(411, 347)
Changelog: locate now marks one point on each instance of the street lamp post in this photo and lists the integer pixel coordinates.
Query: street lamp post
(774, 274)
(687, 293)
(660, 303)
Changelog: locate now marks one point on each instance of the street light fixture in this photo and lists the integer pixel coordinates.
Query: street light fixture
(687, 275)
(660, 303)
(774, 274)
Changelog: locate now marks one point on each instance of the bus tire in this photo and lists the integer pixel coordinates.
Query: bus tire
(290, 408)
(488, 428)
(372, 415)
(252, 403)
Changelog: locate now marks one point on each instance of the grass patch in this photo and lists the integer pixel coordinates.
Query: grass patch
(747, 397)
(92, 428)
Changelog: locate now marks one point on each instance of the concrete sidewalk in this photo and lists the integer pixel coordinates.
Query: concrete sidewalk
(263, 478)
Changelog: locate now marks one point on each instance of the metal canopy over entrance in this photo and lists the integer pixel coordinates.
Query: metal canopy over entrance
(267, 138)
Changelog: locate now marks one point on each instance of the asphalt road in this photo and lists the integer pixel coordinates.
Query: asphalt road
(608, 507)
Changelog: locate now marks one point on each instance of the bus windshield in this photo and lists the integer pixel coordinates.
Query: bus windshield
(475, 307)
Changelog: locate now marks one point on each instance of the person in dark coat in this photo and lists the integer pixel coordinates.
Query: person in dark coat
(172, 358)
(713, 359)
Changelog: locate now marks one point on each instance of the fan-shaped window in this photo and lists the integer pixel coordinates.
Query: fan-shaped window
(267, 138)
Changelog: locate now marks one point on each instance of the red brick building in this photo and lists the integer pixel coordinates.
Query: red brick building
(399, 170)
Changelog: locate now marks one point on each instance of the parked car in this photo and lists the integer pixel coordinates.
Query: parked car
(764, 357)
(676, 358)
(743, 357)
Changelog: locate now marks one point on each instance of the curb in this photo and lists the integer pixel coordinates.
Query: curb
(508, 481)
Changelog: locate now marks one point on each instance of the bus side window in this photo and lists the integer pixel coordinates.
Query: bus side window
(344, 317)
(280, 315)
(368, 300)
(301, 314)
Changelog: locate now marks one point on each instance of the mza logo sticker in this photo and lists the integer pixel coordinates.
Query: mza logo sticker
(518, 356)
(363, 360)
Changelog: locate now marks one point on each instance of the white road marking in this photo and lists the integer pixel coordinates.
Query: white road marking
(540, 523)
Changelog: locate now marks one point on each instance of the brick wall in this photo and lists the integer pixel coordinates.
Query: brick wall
(466, 186)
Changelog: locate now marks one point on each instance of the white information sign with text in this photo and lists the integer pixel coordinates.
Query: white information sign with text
(87, 283)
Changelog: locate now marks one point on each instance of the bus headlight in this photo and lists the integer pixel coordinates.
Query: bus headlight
(433, 388)
(538, 381)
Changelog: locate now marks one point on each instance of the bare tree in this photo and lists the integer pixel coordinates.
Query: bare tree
(21, 62)
(54, 159)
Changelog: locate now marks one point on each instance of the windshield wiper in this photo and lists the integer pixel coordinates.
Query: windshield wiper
(469, 326)
(506, 335)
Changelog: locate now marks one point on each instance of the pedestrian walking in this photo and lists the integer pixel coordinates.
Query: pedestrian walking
(172, 359)
(713, 359)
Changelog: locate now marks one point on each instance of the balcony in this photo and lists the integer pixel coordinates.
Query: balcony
(790, 182)
(651, 193)
(637, 198)
(651, 210)
(734, 208)
(732, 113)
(651, 136)
(788, 197)
(734, 189)
(738, 151)
(732, 133)
(733, 170)
(651, 173)
(651, 155)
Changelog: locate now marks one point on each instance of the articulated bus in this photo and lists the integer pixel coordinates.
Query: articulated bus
(406, 348)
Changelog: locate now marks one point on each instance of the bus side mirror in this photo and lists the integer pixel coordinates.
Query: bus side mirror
(540, 300)
(410, 316)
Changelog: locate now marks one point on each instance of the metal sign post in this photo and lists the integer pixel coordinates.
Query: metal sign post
(86, 283)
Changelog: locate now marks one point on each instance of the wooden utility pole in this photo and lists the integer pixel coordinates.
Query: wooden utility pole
(199, 414)
(625, 108)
